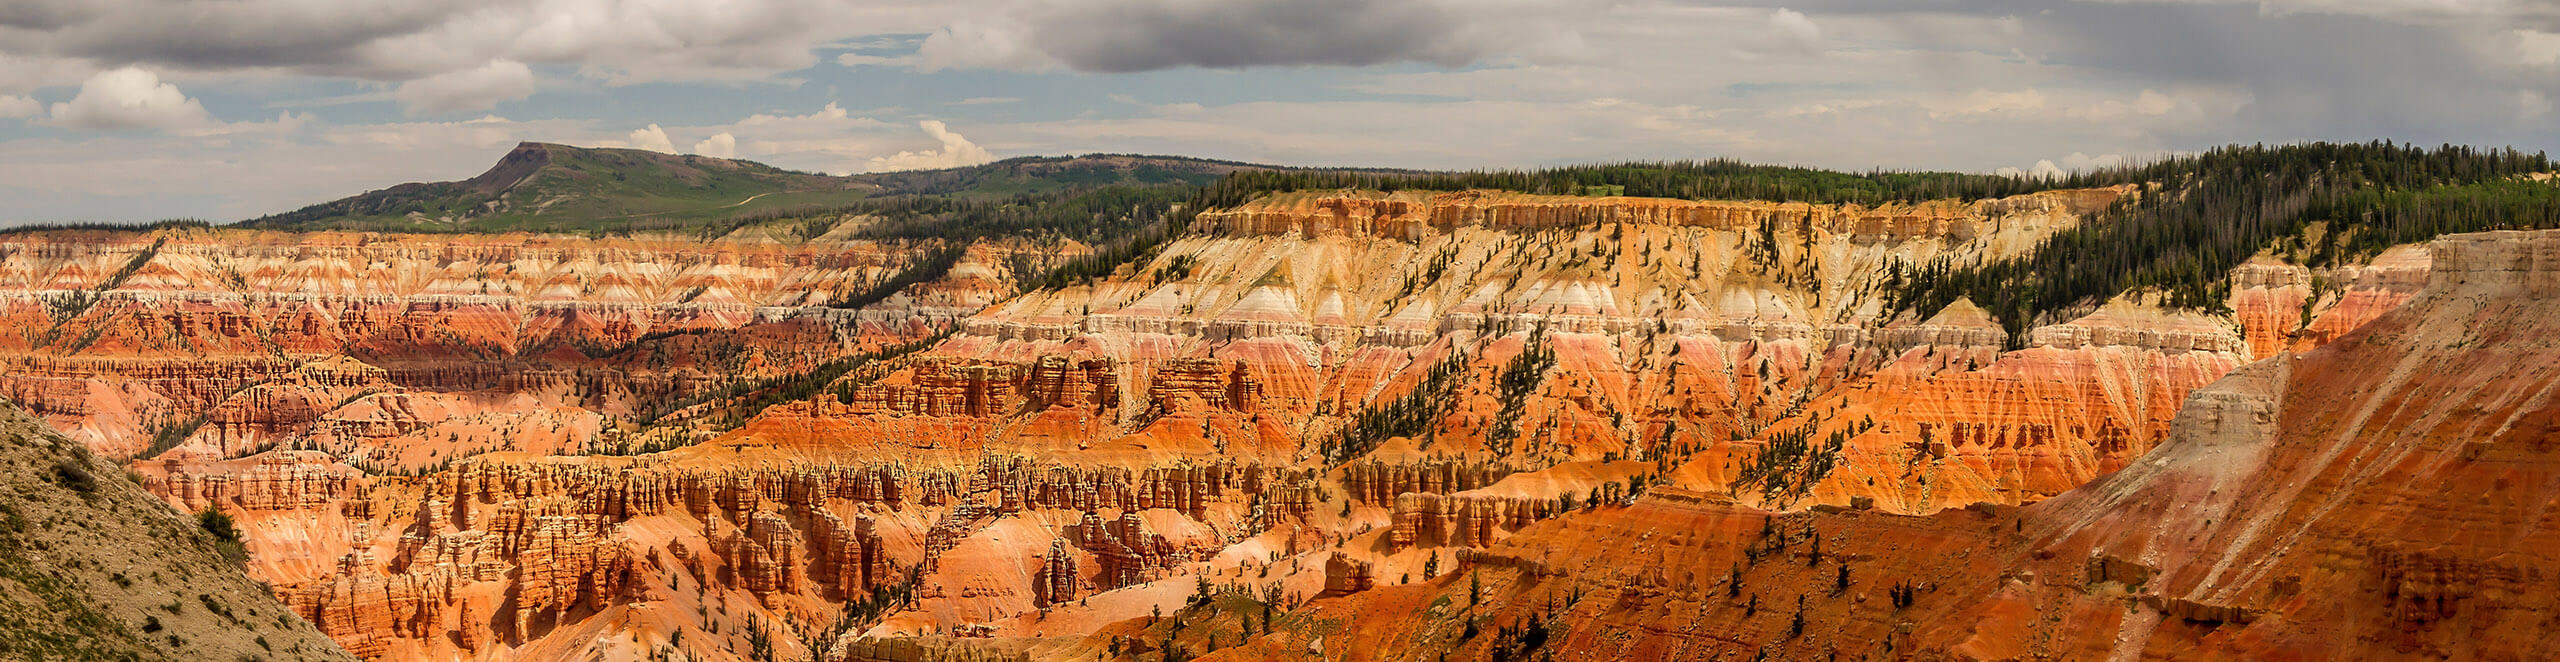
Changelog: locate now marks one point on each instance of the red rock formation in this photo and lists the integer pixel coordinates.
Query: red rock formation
(1344, 575)
(1165, 424)
(1434, 520)
(2320, 505)
(1056, 581)
(1124, 552)
(1186, 384)
(1376, 482)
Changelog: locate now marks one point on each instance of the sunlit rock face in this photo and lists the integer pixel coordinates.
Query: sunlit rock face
(367, 345)
(2369, 498)
(475, 447)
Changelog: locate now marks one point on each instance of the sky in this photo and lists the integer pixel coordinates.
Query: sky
(132, 110)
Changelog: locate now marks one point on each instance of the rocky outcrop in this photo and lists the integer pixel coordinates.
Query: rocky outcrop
(1056, 581)
(849, 559)
(281, 480)
(424, 465)
(367, 613)
(1435, 520)
(1416, 215)
(942, 388)
(2285, 307)
(1186, 384)
(1375, 482)
(1344, 575)
(2324, 504)
(1125, 553)
(1058, 381)
(203, 331)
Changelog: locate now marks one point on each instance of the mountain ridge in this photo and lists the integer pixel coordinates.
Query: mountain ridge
(542, 186)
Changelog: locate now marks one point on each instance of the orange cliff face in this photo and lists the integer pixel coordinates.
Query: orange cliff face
(424, 438)
(233, 341)
(2372, 498)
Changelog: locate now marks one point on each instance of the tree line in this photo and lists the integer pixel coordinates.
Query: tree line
(1721, 179)
(2194, 218)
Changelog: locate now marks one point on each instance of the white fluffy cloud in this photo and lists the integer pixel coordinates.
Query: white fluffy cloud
(2075, 163)
(653, 139)
(128, 98)
(719, 145)
(956, 151)
(480, 88)
(2537, 48)
(1799, 30)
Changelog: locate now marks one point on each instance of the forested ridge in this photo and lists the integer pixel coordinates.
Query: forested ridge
(2191, 220)
(1712, 179)
(2195, 218)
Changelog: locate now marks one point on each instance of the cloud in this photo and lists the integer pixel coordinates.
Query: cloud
(618, 41)
(861, 60)
(719, 145)
(956, 151)
(829, 140)
(653, 139)
(1799, 31)
(17, 106)
(2513, 12)
(1145, 35)
(2538, 48)
(1970, 85)
(128, 98)
(2075, 163)
(469, 89)
(247, 173)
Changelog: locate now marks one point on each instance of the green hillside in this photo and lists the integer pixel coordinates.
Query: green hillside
(557, 188)
(541, 187)
(93, 567)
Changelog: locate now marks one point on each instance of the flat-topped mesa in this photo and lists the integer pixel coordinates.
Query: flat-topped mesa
(2510, 262)
(259, 264)
(1412, 215)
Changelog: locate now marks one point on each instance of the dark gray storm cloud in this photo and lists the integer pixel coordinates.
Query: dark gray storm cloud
(2338, 75)
(323, 37)
(1122, 36)
(1162, 34)
(400, 40)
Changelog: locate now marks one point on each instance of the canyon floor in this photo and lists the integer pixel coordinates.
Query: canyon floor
(1322, 424)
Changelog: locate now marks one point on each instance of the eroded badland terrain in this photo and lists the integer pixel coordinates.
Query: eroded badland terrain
(1276, 418)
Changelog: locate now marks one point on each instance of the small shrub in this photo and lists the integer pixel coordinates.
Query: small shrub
(71, 476)
(219, 524)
